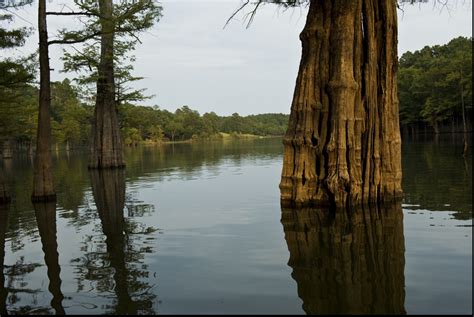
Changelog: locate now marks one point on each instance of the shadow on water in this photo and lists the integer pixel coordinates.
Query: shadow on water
(121, 267)
(347, 263)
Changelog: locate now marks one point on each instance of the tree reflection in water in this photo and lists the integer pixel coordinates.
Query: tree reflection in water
(347, 262)
(3, 229)
(118, 264)
(46, 219)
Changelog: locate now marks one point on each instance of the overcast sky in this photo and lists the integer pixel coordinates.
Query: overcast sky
(188, 58)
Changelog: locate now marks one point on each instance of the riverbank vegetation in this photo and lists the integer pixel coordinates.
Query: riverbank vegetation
(435, 88)
(71, 121)
(432, 83)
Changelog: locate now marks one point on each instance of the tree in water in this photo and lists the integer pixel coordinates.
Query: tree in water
(107, 22)
(106, 146)
(43, 187)
(342, 146)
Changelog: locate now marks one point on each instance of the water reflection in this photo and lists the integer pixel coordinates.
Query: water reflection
(46, 219)
(120, 267)
(3, 229)
(347, 263)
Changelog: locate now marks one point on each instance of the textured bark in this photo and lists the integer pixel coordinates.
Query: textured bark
(347, 263)
(106, 145)
(108, 187)
(343, 145)
(46, 219)
(43, 188)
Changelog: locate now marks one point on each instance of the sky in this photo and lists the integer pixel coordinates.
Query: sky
(189, 58)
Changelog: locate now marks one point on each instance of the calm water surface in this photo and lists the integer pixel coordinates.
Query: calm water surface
(198, 228)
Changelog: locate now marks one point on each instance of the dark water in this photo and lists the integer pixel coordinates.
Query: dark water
(198, 228)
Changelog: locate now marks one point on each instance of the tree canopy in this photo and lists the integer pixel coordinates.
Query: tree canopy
(431, 81)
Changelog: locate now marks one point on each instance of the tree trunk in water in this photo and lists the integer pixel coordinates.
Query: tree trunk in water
(106, 145)
(343, 144)
(43, 188)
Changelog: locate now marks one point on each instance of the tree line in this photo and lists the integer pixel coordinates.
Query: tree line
(435, 87)
(71, 120)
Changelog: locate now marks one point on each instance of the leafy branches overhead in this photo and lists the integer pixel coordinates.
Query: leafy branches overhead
(130, 18)
(254, 5)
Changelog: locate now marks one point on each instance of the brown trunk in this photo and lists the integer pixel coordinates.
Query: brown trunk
(347, 263)
(343, 141)
(106, 145)
(43, 188)
(46, 220)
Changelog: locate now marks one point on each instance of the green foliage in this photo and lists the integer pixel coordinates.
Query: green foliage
(432, 80)
(70, 118)
(16, 97)
(130, 18)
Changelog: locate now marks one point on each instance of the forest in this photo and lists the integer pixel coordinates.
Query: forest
(435, 85)
(71, 120)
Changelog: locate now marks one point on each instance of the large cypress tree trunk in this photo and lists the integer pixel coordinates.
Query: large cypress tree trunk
(43, 188)
(106, 145)
(343, 143)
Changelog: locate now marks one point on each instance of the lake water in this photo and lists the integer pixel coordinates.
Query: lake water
(198, 228)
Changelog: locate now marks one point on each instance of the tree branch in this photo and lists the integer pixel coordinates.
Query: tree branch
(79, 40)
(73, 13)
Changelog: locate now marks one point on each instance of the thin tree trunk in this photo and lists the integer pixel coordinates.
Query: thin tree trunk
(106, 146)
(343, 142)
(43, 188)
(465, 148)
